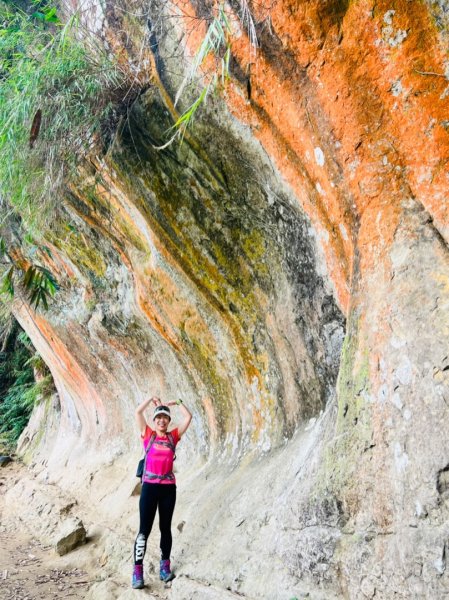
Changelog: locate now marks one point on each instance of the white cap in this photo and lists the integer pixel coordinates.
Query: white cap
(161, 410)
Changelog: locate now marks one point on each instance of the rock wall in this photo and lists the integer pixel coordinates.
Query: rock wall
(285, 271)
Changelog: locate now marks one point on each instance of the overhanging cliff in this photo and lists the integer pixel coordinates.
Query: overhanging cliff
(285, 271)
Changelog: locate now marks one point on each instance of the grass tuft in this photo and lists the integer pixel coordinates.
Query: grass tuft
(55, 92)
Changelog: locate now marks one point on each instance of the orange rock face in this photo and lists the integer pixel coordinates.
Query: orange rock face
(227, 271)
(350, 99)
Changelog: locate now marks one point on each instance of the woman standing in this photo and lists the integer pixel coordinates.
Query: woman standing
(158, 482)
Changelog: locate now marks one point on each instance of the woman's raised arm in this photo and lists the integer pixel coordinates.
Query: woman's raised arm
(186, 416)
(141, 421)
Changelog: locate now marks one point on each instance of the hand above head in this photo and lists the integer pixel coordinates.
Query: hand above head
(175, 403)
(140, 418)
(186, 416)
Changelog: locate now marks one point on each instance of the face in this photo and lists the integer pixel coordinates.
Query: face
(162, 422)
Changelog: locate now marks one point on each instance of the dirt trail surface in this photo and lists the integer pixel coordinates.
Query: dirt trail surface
(29, 570)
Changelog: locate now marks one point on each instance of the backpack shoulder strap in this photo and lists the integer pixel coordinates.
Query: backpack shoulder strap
(151, 442)
(171, 440)
(172, 443)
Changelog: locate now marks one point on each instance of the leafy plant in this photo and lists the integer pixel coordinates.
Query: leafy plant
(38, 282)
(55, 93)
(19, 390)
(216, 43)
(186, 118)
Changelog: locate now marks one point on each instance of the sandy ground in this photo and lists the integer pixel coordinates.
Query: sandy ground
(29, 570)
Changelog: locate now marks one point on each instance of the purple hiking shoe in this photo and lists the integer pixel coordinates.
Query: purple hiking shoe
(138, 583)
(164, 573)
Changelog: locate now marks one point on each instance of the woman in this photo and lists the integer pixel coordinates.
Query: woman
(158, 483)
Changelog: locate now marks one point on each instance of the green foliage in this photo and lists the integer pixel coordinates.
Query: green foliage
(216, 39)
(216, 42)
(56, 90)
(37, 281)
(53, 99)
(46, 13)
(187, 117)
(19, 391)
(7, 282)
(40, 284)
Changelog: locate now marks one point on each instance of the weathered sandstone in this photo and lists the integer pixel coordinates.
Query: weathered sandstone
(285, 270)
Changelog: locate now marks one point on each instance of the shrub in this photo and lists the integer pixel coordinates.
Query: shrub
(19, 390)
(55, 92)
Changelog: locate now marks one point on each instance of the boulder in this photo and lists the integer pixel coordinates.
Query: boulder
(5, 460)
(71, 535)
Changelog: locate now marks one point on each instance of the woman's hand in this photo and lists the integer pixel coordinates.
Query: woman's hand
(141, 421)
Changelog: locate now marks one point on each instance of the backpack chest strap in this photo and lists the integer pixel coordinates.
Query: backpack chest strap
(152, 476)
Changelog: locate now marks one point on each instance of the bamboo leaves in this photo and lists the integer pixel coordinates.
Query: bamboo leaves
(7, 283)
(40, 284)
(47, 14)
(217, 37)
(37, 281)
(20, 389)
(217, 43)
(54, 96)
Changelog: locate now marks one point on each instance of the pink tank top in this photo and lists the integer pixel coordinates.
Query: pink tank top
(159, 461)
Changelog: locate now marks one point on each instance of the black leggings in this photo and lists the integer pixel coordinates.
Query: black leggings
(154, 496)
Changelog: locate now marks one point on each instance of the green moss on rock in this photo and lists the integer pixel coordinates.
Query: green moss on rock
(75, 246)
(353, 427)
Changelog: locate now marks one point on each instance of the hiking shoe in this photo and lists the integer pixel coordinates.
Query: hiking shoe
(138, 583)
(164, 573)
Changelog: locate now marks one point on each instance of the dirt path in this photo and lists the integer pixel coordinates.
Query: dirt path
(30, 570)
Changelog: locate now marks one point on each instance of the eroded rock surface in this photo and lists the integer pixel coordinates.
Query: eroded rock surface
(285, 271)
